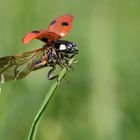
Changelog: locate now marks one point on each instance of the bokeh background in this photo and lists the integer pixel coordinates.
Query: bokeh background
(102, 99)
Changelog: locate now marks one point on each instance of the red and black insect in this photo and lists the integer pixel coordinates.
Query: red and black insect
(54, 52)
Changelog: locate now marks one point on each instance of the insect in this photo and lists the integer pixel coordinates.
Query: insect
(54, 52)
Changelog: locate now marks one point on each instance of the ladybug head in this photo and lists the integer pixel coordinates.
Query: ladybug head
(65, 46)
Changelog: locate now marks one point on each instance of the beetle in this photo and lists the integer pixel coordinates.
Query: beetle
(54, 52)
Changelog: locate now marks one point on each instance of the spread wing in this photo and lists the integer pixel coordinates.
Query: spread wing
(57, 29)
(18, 66)
(61, 25)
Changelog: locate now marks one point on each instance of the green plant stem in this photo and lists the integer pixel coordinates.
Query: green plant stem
(41, 111)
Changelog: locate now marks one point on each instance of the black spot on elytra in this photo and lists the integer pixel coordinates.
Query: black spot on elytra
(44, 39)
(53, 22)
(35, 31)
(64, 23)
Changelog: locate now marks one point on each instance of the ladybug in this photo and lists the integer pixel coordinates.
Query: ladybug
(54, 52)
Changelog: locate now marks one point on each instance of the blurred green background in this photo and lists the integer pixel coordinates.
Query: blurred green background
(102, 99)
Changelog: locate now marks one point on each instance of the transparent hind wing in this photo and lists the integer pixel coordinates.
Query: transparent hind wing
(19, 66)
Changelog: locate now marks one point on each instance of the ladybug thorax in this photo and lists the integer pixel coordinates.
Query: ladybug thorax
(65, 46)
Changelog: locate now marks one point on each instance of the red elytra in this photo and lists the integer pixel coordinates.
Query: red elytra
(57, 29)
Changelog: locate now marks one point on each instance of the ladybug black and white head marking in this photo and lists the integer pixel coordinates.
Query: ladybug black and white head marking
(65, 46)
(62, 47)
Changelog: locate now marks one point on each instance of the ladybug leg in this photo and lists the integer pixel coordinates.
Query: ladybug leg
(75, 61)
(63, 64)
(51, 72)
